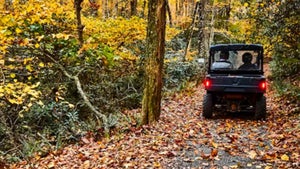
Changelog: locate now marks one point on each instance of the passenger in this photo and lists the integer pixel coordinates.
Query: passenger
(223, 63)
(247, 59)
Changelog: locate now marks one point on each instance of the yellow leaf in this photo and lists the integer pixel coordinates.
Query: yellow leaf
(1, 92)
(26, 41)
(40, 38)
(2, 62)
(12, 75)
(215, 145)
(12, 101)
(29, 68)
(26, 60)
(36, 85)
(7, 32)
(41, 64)
(246, 4)
(37, 45)
(66, 37)
(34, 93)
(285, 157)
(156, 164)
(18, 30)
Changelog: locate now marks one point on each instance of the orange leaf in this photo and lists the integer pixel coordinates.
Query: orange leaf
(214, 153)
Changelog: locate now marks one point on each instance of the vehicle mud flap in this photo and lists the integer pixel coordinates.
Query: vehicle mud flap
(207, 105)
(260, 108)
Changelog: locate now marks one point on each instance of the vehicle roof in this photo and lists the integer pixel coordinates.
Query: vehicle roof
(236, 47)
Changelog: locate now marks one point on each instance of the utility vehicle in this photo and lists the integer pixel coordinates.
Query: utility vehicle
(235, 80)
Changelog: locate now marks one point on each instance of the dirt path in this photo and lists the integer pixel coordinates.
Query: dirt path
(183, 139)
(239, 141)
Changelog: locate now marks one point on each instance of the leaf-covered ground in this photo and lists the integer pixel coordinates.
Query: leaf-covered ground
(183, 139)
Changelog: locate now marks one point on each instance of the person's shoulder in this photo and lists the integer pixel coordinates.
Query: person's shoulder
(250, 66)
(221, 65)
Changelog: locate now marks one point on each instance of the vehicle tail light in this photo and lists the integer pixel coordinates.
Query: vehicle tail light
(207, 83)
(263, 85)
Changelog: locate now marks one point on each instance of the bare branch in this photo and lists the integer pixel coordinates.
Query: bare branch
(81, 92)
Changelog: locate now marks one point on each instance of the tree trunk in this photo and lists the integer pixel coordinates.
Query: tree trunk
(169, 12)
(154, 61)
(180, 8)
(105, 9)
(133, 7)
(116, 8)
(203, 33)
(79, 24)
(144, 9)
(195, 16)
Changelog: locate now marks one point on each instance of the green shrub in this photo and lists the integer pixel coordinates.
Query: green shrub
(42, 128)
(178, 73)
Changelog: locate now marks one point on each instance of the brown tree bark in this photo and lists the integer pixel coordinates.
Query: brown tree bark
(133, 7)
(79, 24)
(191, 29)
(203, 33)
(151, 104)
(169, 13)
(105, 9)
(144, 7)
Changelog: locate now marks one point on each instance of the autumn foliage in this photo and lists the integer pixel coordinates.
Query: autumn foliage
(44, 122)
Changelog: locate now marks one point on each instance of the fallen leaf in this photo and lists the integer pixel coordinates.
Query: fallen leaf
(156, 164)
(86, 164)
(215, 145)
(205, 156)
(85, 140)
(51, 165)
(252, 154)
(214, 153)
(285, 157)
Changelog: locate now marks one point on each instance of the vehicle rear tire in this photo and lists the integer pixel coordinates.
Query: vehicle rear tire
(207, 105)
(261, 108)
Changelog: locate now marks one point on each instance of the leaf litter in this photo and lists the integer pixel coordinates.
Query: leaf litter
(183, 139)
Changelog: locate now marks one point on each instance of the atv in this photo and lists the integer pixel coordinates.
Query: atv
(235, 80)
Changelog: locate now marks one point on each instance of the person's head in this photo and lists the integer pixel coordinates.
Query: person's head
(224, 55)
(247, 57)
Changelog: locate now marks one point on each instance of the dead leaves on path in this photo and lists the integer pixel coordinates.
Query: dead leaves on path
(181, 129)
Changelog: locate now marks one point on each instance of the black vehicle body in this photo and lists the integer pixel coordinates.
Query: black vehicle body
(234, 89)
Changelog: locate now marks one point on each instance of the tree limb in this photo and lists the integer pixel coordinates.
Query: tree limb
(81, 92)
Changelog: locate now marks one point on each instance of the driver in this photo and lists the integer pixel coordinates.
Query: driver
(223, 63)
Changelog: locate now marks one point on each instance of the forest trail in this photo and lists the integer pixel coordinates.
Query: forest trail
(184, 139)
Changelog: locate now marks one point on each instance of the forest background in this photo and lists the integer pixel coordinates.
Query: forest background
(46, 69)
